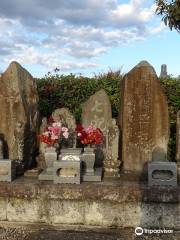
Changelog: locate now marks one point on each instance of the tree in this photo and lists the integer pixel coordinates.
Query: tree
(170, 10)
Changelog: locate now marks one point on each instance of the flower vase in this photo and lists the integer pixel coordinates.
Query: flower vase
(89, 160)
(50, 156)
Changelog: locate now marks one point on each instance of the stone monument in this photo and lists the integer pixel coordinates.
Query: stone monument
(97, 111)
(19, 104)
(111, 161)
(143, 118)
(163, 73)
(65, 116)
(178, 141)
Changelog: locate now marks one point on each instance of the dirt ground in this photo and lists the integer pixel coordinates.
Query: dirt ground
(42, 233)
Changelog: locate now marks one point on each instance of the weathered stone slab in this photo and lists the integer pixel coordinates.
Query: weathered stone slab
(178, 137)
(143, 118)
(97, 111)
(65, 116)
(178, 141)
(19, 108)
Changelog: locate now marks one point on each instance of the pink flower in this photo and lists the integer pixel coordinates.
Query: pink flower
(66, 134)
(53, 136)
(90, 129)
(64, 129)
(55, 130)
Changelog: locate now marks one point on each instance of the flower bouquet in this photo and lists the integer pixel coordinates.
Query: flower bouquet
(90, 135)
(53, 137)
(55, 134)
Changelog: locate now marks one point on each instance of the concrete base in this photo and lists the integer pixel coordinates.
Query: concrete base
(7, 170)
(32, 173)
(162, 173)
(116, 203)
(95, 177)
(46, 175)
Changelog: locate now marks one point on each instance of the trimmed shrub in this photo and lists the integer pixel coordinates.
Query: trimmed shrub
(172, 89)
(56, 91)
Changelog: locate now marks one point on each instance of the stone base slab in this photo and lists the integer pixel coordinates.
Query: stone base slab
(48, 176)
(95, 177)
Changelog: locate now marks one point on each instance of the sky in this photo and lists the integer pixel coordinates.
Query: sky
(85, 36)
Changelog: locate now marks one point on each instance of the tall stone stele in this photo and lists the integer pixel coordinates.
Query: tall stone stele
(143, 119)
(178, 141)
(19, 113)
(97, 111)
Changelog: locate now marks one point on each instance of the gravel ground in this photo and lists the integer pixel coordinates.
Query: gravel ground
(20, 233)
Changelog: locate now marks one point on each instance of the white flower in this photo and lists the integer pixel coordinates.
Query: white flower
(56, 124)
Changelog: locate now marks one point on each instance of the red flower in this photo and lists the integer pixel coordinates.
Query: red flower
(91, 135)
(46, 139)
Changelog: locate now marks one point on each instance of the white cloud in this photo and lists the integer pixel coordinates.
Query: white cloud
(42, 32)
(49, 60)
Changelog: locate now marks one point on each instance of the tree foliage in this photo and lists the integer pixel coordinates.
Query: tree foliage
(170, 10)
(172, 90)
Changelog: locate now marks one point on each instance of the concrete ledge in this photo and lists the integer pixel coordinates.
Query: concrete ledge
(112, 203)
(113, 190)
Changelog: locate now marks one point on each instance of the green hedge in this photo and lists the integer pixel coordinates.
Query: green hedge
(172, 89)
(56, 91)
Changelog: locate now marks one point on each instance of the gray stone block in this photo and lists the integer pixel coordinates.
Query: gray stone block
(70, 152)
(96, 176)
(162, 174)
(67, 171)
(46, 175)
(7, 170)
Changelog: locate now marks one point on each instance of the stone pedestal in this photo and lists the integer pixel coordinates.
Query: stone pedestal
(7, 170)
(162, 174)
(90, 174)
(68, 171)
(68, 168)
(50, 158)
